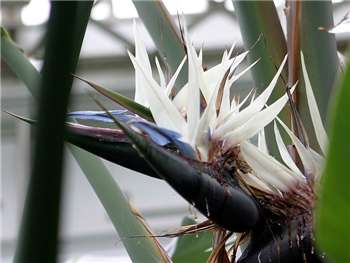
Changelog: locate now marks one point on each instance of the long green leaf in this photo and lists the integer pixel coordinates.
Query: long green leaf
(26, 72)
(192, 247)
(320, 52)
(13, 57)
(127, 103)
(133, 235)
(38, 236)
(333, 214)
(165, 35)
(263, 35)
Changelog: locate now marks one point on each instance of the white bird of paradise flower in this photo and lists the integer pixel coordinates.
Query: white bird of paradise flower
(227, 121)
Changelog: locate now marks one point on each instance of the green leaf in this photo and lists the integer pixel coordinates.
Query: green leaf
(136, 240)
(127, 103)
(38, 235)
(165, 35)
(333, 213)
(193, 247)
(263, 35)
(30, 76)
(20, 65)
(322, 62)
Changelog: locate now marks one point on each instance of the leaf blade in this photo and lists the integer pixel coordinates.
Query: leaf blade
(333, 213)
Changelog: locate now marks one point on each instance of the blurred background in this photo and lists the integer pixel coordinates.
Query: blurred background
(87, 233)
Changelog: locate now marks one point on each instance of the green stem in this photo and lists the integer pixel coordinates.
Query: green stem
(39, 227)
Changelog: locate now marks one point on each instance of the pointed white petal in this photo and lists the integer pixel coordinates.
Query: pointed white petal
(224, 57)
(164, 112)
(142, 56)
(172, 81)
(284, 152)
(206, 125)
(225, 101)
(197, 71)
(195, 82)
(234, 103)
(161, 74)
(237, 76)
(320, 131)
(231, 50)
(238, 60)
(255, 123)
(200, 56)
(239, 106)
(304, 153)
(252, 109)
(268, 169)
(262, 141)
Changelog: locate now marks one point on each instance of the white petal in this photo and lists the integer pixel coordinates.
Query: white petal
(200, 56)
(251, 93)
(229, 54)
(164, 112)
(237, 76)
(161, 74)
(142, 57)
(172, 81)
(236, 107)
(252, 109)
(225, 102)
(320, 131)
(206, 125)
(268, 169)
(284, 152)
(304, 153)
(224, 57)
(234, 103)
(262, 141)
(257, 122)
(195, 82)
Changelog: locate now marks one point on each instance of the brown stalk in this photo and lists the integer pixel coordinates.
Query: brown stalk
(293, 14)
